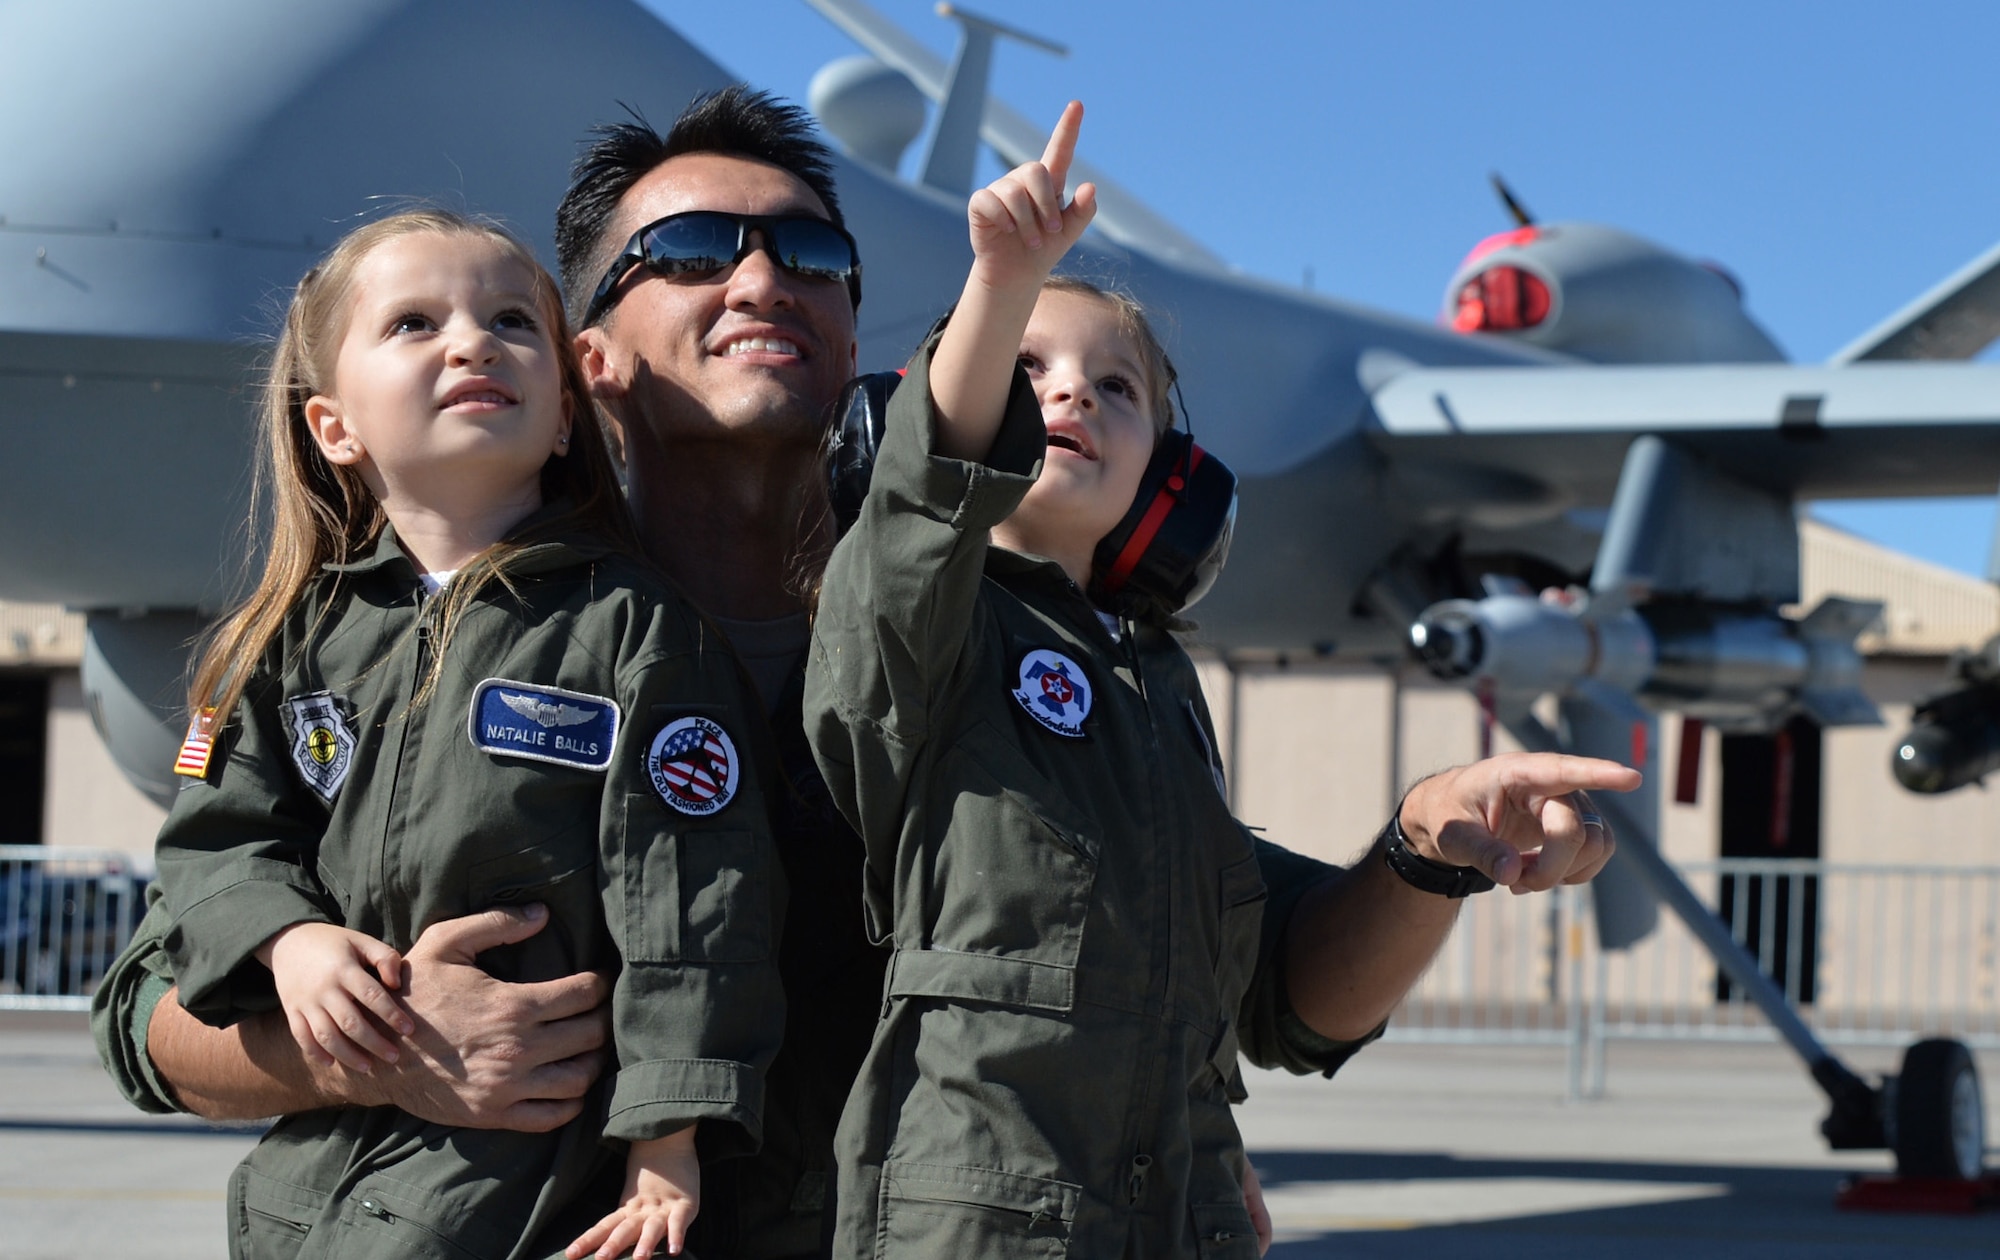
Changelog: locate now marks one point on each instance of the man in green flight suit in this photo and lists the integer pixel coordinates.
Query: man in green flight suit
(719, 384)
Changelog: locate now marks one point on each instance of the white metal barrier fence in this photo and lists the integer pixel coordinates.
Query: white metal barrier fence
(1870, 955)
(64, 915)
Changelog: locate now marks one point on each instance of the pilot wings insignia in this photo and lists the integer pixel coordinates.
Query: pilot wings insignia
(565, 728)
(544, 712)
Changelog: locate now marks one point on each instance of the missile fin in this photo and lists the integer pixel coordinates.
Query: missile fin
(1841, 619)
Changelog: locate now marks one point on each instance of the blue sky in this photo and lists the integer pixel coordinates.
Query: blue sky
(1837, 157)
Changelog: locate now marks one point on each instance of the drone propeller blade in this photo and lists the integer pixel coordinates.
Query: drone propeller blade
(1520, 212)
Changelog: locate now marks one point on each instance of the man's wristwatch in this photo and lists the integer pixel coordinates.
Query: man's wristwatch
(1421, 872)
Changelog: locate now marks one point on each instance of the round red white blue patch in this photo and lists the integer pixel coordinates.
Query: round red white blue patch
(693, 765)
(1054, 691)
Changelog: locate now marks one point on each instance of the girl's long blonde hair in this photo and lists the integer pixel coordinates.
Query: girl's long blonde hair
(321, 513)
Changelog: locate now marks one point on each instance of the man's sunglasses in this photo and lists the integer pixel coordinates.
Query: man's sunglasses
(700, 243)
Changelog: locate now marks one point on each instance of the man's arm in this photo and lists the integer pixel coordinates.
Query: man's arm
(1359, 939)
(1356, 943)
(485, 1054)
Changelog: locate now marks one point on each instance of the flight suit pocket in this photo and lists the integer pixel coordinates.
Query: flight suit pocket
(1222, 1231)
(380, 1218)
(1239, 924)
(269, 1219)
(1012, 878)
(973, 1213)
(693, 896)
(559, 874)
(528, 874)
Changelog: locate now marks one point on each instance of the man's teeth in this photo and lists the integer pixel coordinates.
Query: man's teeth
(759, 345)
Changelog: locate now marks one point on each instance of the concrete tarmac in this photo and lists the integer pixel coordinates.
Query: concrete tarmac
(1705, 1151)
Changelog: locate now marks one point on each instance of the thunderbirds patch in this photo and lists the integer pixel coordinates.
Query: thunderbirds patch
(693, 766)
(198, 747)
(323, 742)
(566, 728)
(1054, 691)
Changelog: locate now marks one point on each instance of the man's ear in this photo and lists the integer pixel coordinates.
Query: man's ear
(853, 359)
(598, 360)
(337, 442)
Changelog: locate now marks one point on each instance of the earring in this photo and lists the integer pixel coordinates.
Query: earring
(563, 440)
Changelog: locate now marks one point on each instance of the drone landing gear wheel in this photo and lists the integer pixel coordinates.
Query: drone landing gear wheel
(1938, 1116)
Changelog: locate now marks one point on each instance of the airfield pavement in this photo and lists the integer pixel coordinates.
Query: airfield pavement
(1703, 1151)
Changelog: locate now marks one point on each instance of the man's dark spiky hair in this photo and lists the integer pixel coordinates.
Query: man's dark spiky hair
(738, 120)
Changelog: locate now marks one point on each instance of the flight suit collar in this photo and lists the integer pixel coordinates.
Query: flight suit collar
(1024, 570)
(551, 551)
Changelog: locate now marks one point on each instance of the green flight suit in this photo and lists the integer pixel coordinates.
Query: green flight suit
(769, 1205)
(1075, 913)
(588, 746)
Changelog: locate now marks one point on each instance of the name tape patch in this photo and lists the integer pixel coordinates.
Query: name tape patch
(323, 742)
(564, 728)
(1055, 691)
(693, 765)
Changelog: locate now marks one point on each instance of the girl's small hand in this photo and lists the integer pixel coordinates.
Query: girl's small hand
(1020, 228)
(335, 987)
(662, 1195)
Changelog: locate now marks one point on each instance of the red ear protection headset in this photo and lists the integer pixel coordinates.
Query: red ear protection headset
(1159, 559)
(1168, 549)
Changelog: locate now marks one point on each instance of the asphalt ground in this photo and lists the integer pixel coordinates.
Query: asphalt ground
(1695, 1150)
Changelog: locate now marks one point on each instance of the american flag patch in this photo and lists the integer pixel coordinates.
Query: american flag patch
(693, 766)
(197, 747)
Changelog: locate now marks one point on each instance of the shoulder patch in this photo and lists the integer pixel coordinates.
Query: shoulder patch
(693, 765)
(198, 747)
(1055, 691)
(323, 742)
(564, 728)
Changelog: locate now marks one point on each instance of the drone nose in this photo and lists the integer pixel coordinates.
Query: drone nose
(1501, 299)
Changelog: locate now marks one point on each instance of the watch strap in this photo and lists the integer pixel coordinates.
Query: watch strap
(1422, 873)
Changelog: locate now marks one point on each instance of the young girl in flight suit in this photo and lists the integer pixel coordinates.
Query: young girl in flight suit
(457, 686)
(1073, 910)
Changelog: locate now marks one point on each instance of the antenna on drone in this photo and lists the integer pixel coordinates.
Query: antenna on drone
(1520, 212)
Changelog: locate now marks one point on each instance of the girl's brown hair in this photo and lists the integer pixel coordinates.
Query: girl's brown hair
(322, 513)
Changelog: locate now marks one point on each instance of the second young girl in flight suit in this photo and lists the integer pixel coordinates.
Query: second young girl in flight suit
(1073, 910)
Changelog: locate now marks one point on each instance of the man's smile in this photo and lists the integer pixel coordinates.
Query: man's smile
(759, 345)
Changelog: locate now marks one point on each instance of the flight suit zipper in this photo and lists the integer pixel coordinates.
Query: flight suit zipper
(1141, 1165)
(394, 894)
(1153, 1083)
